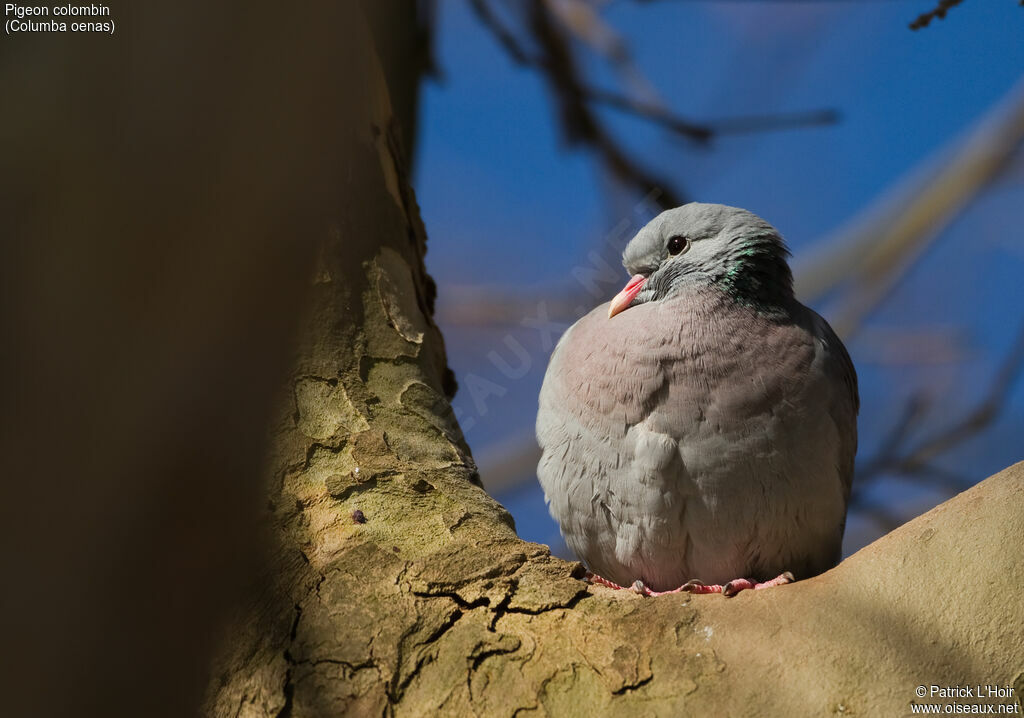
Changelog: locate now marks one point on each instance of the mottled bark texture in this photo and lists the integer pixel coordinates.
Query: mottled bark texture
(396, 586)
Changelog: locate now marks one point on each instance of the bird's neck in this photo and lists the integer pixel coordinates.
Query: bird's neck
(757, 275)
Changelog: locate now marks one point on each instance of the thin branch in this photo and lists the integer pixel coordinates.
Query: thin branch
(982, 416)
(913, 413)
(702, 132)
(769, 123)
(575, 98)
(650, 111)
(925, 19)
(504, 36)
(580, 123)
(584, 22)
(861, 261)
(894, 457)
(866, 257)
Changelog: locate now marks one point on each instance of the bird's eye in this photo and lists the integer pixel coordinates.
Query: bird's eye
(678, 245)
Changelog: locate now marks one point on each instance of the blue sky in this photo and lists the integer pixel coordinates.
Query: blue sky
(507, 203)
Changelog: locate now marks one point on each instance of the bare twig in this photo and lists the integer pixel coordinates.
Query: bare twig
(575, 97)
(914, 411)
(584, 21)
(506, 37)
(925, 19)
(654, 112)
(868, 255)
(578, 120)
(983, 414)
(894, 457)
(702, 132)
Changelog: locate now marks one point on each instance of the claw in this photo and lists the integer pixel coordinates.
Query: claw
(741, 584)
(736, 585)
(695, 586)
(781, 580)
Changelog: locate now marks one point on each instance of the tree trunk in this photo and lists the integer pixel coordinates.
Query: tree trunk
(162, 190)
(398, 587)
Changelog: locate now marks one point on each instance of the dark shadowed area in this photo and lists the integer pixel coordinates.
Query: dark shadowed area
(163, 189)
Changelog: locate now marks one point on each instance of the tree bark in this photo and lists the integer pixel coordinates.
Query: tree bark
(397, 586)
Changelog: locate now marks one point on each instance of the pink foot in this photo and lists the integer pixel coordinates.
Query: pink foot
(591, 577)
(730, 589)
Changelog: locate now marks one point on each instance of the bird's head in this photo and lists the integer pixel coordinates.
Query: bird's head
(708, 244)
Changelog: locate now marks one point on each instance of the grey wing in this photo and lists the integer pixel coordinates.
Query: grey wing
(846, 399)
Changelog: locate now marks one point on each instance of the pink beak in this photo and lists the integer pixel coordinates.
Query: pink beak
(623, 298)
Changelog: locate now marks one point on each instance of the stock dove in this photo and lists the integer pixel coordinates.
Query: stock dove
(698, 432)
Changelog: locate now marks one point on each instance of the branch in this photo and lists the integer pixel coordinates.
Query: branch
(982, 416)
(578, 120)
(925, 19)
(575, 97)
(699, 133)
(703, 132)
(502, 34)
(894, 456)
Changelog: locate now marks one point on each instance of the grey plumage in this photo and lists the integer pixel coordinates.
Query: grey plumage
(709, 430)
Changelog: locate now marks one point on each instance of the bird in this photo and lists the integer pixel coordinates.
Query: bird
(698, 431)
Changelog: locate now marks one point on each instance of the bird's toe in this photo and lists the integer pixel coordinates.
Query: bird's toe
(736, 585)
(695, 586)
